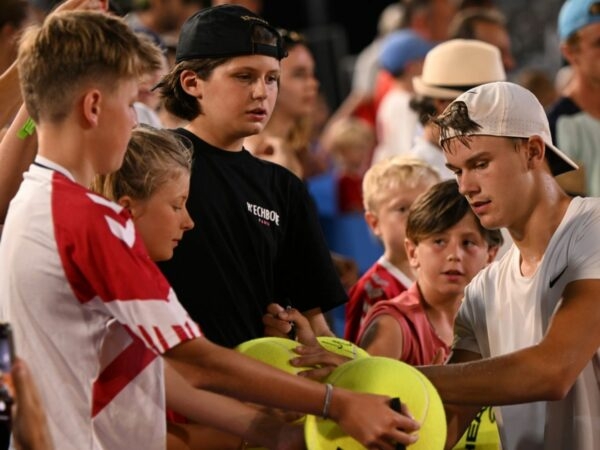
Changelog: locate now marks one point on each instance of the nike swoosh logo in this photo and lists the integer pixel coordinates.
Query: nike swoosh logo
(555, 279)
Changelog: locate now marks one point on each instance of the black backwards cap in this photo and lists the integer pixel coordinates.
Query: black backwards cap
(224, 31)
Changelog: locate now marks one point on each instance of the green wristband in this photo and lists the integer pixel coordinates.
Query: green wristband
(27, 129)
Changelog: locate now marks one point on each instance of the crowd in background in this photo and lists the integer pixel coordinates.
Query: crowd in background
(371, 167)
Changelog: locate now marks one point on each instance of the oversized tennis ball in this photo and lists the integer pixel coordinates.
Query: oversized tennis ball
(342, 347)
(386, 376)
(275, 351)
(482, 433)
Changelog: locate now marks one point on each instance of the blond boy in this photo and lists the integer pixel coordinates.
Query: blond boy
(389, 188)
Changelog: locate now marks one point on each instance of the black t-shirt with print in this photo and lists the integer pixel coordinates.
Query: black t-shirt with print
(256, 240)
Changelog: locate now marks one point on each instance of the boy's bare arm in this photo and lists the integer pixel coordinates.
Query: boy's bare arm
(230, 416)
(16, 154)
(10, 94)
(226, 371)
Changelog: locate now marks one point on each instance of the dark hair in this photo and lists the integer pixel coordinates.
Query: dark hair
(441, 207)
(455, 122)
(175, 99)
(424, 107)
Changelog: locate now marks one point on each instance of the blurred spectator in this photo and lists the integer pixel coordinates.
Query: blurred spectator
(286, 137)
(487, 25)
(401, 56)
(361, 100)
(538, 82)
(430, 19)
(164, 18)
(349, 141)
(574, 118)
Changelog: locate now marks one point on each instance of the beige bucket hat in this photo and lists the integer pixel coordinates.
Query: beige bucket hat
(457, 65)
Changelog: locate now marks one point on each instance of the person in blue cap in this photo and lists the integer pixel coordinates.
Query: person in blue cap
(575, 117)
(402, 56)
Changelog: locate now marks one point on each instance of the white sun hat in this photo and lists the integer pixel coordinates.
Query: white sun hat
(454, 66)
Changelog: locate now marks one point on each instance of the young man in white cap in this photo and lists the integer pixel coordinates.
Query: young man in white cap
(450, 68)
(575, 118)
(527, 331)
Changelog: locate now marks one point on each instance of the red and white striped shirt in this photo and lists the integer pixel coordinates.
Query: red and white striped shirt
(91, 313)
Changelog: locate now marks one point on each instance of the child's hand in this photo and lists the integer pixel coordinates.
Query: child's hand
(288, 323)
(316, 355)
(378, 425)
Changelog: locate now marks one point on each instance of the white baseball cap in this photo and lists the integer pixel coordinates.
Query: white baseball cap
(454, 66)
(506, 109)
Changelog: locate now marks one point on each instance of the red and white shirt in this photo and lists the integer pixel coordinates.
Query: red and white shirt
(91, 313)
(382, 281)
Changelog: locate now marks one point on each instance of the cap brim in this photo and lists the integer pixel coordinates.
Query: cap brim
(559, 161)
(427, 90)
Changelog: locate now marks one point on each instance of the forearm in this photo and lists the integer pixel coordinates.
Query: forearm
(523, 376)
(10, 94)
(223, 413)
(16, 155)
(227, 371)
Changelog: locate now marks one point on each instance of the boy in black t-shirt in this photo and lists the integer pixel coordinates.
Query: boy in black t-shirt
(257, 240)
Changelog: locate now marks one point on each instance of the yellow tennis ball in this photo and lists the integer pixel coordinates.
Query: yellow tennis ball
(482, 433)
(342, 347)
(386, 376)
(274, 351)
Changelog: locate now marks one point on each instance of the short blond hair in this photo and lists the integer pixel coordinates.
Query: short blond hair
(393, 172)
(348, 132)
(73, 48)
(154, 157)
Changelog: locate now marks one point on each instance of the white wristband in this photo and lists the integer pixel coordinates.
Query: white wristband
(327, 402)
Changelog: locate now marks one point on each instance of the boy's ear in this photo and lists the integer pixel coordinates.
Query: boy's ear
(373, 222)
(92, 106)
(411, 253)
(191, 83)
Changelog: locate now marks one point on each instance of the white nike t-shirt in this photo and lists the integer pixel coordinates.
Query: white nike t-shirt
(504, 312)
